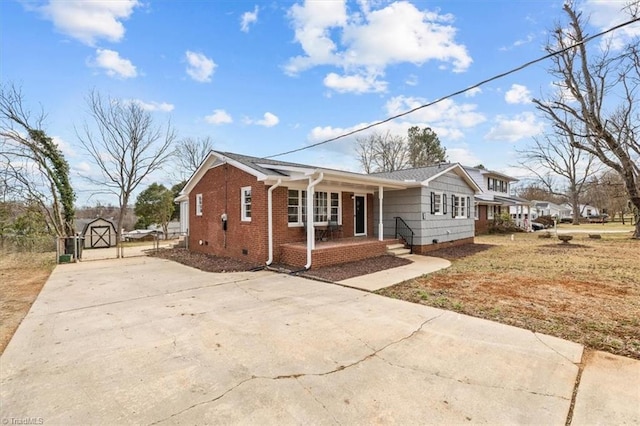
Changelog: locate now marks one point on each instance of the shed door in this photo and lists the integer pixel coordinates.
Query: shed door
(100, 237)
(360, 215)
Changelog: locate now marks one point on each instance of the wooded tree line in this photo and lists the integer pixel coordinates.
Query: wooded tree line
(125, 144)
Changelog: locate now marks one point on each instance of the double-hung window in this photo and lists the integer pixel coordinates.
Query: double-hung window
(436, 203)
(320, 210)
(198, 204)
(326, 207)
(460, 207)
(245, 204)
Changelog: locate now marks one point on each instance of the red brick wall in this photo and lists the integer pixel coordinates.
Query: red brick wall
(425, 249)
(220, 189)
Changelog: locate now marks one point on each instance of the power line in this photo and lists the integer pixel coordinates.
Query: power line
(459, 92)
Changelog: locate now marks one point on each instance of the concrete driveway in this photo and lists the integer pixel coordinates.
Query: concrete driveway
(148, 341)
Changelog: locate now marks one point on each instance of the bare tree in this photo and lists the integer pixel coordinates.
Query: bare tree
(554, 157)
(190, 153)
(32, 164)
(382, 152)
(584, 106)
(127, 147)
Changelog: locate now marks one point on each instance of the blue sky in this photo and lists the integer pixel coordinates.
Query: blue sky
(261, 78)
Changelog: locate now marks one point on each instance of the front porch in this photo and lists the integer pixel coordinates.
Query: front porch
(334, 252)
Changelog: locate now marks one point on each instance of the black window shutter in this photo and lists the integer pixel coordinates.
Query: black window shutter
(433, 200)
(468, 207)
(453, 206)
(444, 203)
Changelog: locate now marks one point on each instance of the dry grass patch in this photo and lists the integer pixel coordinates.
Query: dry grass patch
(22, 276)
(587, 291)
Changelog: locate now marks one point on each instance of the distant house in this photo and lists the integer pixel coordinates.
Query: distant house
(269, 211)
(97, 233)
(496, 199)
(585, 210)
(547, 208)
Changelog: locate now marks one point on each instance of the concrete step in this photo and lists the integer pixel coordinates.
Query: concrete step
(395, 246)
(399, 252)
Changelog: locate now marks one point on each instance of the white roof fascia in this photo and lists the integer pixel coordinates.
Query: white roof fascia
(243, 167)
(209, 163)
(460, 171)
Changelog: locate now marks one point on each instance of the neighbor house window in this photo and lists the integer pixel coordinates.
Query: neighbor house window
(198, 204)
(245, 203)
(326, 207)
(476, 212)
(497, 185)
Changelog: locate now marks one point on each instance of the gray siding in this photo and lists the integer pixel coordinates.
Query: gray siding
(414, 207)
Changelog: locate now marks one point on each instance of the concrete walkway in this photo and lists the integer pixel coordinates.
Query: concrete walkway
(148, 341)
(419, 266)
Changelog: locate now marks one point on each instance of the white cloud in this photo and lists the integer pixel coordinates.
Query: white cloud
(154, 106)
(463, 156)
(200, 68)
(268, 120)
(366, 41)
(605, 14)
(412, 80)
(89, 21)
(472, 92)
(528, 39)
(513, 129)
(63, 146)
(354, 83)
(219, 116)
(445, 114)
(518, 94)
(113, 64)
(248, 18)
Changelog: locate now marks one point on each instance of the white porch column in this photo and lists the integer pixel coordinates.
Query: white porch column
(380, 226)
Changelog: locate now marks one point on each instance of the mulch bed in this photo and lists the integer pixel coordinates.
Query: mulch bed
(334, 273)
(205, 262)
(459, 252)
(355, 269)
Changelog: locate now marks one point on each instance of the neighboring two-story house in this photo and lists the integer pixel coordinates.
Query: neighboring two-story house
(496, 199)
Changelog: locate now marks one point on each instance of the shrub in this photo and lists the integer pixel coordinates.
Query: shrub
(503, 224)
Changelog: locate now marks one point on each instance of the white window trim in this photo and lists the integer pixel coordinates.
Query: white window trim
(476, 212)
(490, 212)
(198, 204)
(243, 205)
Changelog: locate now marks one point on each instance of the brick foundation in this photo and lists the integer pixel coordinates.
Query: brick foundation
(295, 255)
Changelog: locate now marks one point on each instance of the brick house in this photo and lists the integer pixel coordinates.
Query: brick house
(256, 209)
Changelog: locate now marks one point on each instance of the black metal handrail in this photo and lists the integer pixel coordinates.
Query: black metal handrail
(405, 232)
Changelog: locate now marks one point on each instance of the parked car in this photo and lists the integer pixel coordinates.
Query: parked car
(600, 218)
(537, 226)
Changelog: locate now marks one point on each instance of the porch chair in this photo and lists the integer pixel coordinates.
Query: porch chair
(334, 228)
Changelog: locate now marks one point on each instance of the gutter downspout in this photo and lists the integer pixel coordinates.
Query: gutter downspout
(270, 219)
(380, 225)
(310, 229)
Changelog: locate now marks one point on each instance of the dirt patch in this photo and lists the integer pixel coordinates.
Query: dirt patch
(203, 261)
(460, 252)
(586, 292)
(22, 276)
(355, 269)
